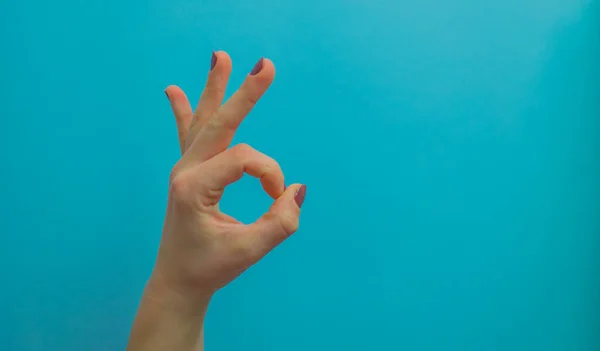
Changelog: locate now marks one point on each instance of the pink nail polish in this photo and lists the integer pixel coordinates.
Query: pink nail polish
(300, 194)
(257, 67)
(213, 61)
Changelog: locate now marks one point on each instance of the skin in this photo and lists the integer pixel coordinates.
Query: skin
(203, 249)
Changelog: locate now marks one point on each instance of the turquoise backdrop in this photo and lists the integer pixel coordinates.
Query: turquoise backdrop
(451, 151)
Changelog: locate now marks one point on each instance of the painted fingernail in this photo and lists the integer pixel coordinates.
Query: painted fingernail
(213, 61)
(257, 67)
(300, 194)
(167, 94)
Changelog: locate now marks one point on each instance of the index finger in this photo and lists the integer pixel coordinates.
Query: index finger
(229, 167)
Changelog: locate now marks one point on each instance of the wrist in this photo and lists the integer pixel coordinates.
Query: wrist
(177, 300)
(168, 319)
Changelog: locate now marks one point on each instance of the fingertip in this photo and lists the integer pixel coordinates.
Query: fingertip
(293, 192)
(167, 89)
(172, 88)
(273, 190)
(293, 188)
(300, 195)
(282, 219)
(223, 62)
(181, 110)
(222, 55)
(268, 64)
(175, 93)
(274, 185)
(268, 70)
(263, 72)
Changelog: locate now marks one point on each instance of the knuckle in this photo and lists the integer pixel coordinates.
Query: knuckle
(242, 150)
(210, 196)
(175, 172)
(275, 166)
(179, 186)
(214, 122)
(214, 89)
(252, 100)
(288, 223)
(231, 125)
(172, 177)
(221, 120)
(271, 171)
(181, 191)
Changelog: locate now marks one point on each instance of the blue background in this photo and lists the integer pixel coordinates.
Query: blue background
(451, 151)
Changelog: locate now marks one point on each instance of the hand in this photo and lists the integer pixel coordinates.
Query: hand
(203, 249)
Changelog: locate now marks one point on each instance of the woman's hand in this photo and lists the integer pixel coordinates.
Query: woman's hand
(203, 249)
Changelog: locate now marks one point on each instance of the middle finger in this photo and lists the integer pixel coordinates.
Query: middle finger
(218, 132)
(212, 95)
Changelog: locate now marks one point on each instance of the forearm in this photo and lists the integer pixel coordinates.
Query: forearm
(166, 320)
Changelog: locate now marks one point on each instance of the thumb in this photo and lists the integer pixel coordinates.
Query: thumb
(281, 221)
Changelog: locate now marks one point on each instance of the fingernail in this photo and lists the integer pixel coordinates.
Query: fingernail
(257, 67)
(213, 61)
(167, 94)
(300, 194)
